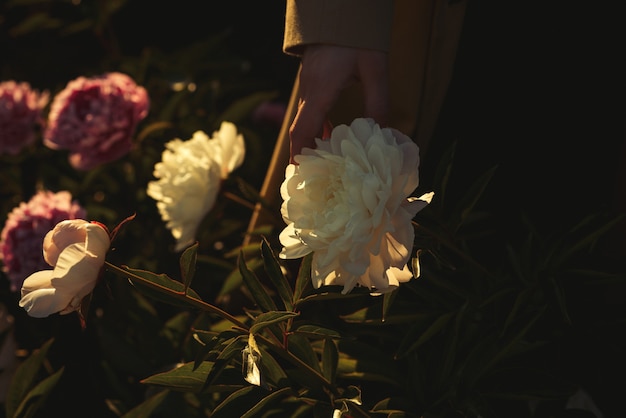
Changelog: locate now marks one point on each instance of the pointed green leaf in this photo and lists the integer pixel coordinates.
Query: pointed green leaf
(254, 285)
(521, 301)
(388, 299)
(394, 407)
(163, 288)
(432, 330)
(316, 331)
(235, 279)
(275, 273)
(24, 378)
(442, 176)
(560, 298)
(31, 404)
(233, 348)
(364, 369)
(330, 358)
(303, 279)
(301, 348)
(269, 318)
(183, 378)
(258, 408)
(273, 372)
(468, 202)
(188, 265)
(147, 407)
(238, 402)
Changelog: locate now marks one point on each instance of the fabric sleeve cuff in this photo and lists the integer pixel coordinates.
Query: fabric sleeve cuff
(353, 23)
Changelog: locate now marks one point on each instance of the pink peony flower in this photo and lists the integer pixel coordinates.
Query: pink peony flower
(270, 113)
(95, 118)
(20, 115)
(26, 226)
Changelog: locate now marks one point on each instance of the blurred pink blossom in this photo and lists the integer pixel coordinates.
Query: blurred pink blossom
(20, 115)
(270, 113)
(21, 240)
(95, 118)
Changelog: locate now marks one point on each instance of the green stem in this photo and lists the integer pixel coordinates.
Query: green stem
(287, 355)
(200, 304)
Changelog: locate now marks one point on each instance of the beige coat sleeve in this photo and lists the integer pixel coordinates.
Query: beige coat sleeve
(354, 23)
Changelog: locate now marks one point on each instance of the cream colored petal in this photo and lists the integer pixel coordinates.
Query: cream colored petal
(38, 280)
(76, 272)
(42, 303)
(63, 234)
(232, 148)
(97, 240)
(293, 247)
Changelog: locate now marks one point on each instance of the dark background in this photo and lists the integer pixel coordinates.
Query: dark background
(538, 91)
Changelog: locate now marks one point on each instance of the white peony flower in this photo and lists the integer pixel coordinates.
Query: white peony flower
(76, 249)
(189, 177)
(348, 202)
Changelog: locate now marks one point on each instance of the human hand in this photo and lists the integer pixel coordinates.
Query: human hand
(326, 71)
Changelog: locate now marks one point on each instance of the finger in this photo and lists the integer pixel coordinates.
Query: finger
(306, 126)
(327, 129)
(375, 79)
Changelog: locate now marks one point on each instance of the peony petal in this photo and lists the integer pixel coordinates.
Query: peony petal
(38, 280)
(293, 247)
(97, 240)
(232, 147)
(76, 271)
(43, 302)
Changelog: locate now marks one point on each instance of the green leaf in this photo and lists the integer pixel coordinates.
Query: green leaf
(238, 402)
(388, 299)
(442, 176)
(367, 370)
(235, 279)
(468, 202)
(330, 358)
(275, 273)
(395, 407)
(188, 265)
(256, 409)
(316, 331)
(252, 282)
(37, 397)
(303, 279)
(559, 293)
(268, 318)
(233, 348)
(24, 378)
(183, 378)
(146, 408)
(209, 340)
(301, 348)
(271, 370)
(165, 289)
(437, 326)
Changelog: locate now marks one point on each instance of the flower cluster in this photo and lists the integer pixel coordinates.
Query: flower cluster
(76, 249)
(347, 201)
(25, 228)
(95, 118)
(189, 178)
(20, 115)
